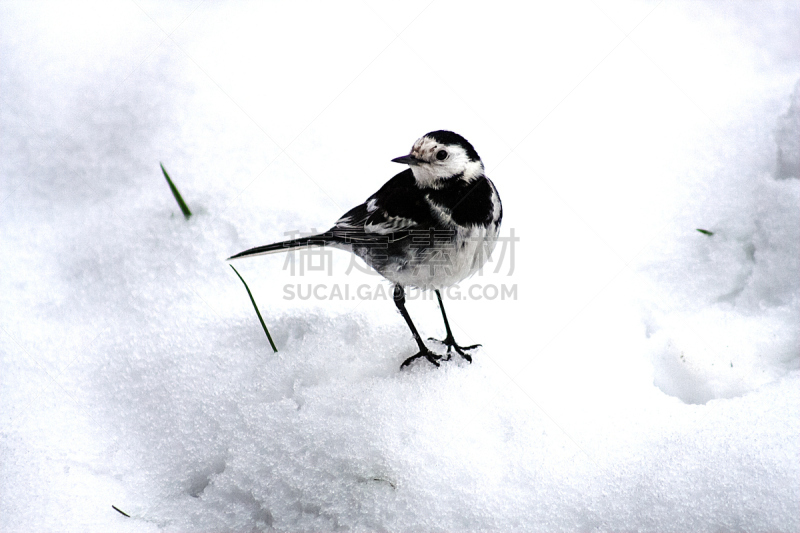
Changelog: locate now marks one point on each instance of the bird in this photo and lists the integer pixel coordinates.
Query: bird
(431, 226)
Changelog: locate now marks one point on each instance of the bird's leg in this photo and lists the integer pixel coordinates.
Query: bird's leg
(449, 340)
(400, 302)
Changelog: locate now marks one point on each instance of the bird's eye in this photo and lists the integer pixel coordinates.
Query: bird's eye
(441, 155)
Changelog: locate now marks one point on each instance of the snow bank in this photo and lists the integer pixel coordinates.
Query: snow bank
(724, 318)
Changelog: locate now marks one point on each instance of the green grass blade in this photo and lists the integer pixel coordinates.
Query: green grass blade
(250, 294)
(705, 232)
(123, 513)
(176, 194)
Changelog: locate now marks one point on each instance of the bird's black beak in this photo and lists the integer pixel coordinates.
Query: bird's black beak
(406, 160)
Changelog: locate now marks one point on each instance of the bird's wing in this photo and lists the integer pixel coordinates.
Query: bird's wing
(393, 213)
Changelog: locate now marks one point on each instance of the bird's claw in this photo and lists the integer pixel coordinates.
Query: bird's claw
(451, 345)
(427, 354)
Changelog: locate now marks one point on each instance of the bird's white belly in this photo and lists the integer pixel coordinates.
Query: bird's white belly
(446, 263)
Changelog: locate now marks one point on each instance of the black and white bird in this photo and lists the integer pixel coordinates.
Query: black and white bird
(430, 226)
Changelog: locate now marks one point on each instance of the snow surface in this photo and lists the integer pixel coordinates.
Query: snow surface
(646, 377)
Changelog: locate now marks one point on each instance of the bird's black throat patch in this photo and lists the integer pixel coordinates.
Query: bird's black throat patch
(468, 202)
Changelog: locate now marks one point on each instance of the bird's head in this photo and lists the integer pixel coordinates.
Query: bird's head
(440, 156)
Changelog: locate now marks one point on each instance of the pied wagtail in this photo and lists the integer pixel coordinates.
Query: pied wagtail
(430, 226)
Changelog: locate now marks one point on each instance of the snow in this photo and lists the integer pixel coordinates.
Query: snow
(645, 377)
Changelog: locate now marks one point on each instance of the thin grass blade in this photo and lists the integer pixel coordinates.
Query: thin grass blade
(705, 232)
(250, 294)
(176, 194)
(123, 513)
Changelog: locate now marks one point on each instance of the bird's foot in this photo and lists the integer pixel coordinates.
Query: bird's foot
(450, 342)
(427, 354)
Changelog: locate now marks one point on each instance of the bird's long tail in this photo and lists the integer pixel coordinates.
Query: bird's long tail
(284, 246)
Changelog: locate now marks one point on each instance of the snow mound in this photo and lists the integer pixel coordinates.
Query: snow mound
(725, 319)
(788, 138)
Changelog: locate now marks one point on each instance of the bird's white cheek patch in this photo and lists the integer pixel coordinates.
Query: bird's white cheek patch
(425, 178)
(473, 170)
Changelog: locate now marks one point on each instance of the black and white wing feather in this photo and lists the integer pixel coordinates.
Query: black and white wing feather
(388, 216)
(391, 214)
